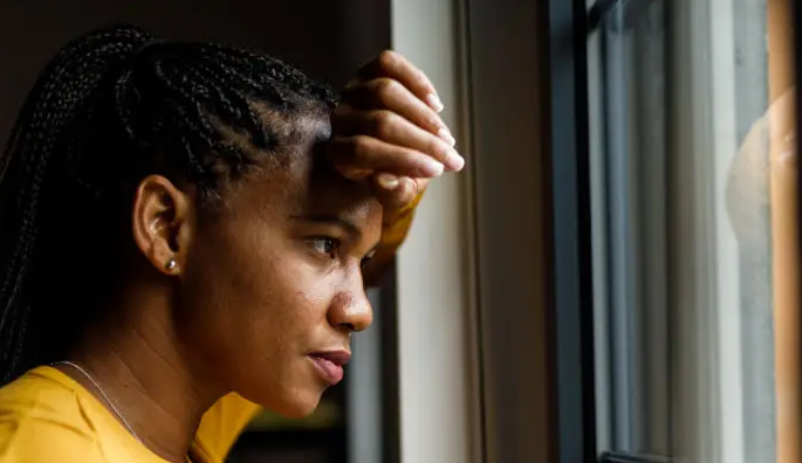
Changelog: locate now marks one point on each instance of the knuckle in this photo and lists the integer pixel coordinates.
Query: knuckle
(386, 90)
(385, 124)
(388, 59)
(340, 110)
(436, 148)
(434, 123)
(416, 189)
(407, 192)
(361, 147)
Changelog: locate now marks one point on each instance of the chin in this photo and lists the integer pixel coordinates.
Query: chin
(290, 402)
(299, 406)
(292, 393)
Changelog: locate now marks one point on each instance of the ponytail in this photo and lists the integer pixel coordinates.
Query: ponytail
(55, 108)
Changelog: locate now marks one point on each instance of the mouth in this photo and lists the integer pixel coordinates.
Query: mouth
(330, 365)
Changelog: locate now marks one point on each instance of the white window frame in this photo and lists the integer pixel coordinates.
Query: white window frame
(438, 381)
(486, 284)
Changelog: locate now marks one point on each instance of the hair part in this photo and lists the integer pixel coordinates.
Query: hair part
(113, 106)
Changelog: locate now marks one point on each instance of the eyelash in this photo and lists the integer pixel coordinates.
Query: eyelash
(328, 242)
(332, 245)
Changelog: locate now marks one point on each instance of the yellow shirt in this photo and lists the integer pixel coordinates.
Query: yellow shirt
(47, 417)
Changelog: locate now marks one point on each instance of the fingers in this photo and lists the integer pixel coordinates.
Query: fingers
(387, 131)
(392, 128)
(395, 66)
(360, 156)
(386, 93)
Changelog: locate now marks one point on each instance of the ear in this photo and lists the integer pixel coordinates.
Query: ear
(162, 223)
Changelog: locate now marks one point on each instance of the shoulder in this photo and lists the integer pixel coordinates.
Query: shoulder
(38, 440)
(41, 421)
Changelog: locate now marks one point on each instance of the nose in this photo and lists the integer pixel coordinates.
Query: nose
(350, 309)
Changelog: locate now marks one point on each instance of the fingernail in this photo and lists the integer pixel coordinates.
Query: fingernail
(387, 181)
(445, 134)
(431, 168)
(434, 101)
(454, 160)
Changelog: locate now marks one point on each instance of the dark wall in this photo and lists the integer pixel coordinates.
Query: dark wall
(327, 38)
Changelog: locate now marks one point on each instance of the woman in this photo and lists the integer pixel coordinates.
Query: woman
(185, 229)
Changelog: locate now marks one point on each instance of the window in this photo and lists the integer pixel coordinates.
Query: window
(694, 230)
(630, 227)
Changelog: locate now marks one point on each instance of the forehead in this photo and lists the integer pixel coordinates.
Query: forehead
(303, 182)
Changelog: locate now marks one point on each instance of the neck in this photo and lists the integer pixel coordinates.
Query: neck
(141, 366)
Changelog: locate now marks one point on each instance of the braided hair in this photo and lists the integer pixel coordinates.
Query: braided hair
(113, 106)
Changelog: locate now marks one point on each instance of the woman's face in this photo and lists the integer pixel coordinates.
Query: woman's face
(272, 289)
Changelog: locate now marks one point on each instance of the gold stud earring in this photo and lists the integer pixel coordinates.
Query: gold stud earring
(171, 264)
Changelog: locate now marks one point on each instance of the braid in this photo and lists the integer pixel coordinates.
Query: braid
(112, 106)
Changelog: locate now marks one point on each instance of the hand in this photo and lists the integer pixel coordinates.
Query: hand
(387, 131)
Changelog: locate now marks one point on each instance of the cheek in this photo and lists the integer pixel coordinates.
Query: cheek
(252, 300)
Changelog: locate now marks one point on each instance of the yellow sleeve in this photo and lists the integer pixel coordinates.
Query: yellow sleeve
(227, 418)
(394, 231)
(222, 424)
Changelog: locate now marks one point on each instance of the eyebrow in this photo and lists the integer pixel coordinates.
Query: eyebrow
(326, 219)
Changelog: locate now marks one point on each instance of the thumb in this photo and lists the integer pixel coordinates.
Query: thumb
(394, 192)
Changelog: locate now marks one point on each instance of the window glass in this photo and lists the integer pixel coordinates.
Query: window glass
(694, 230)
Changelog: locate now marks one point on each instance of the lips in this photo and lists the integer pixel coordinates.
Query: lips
(330, 365)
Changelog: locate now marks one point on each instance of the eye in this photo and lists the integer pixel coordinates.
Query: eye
(325, 245)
